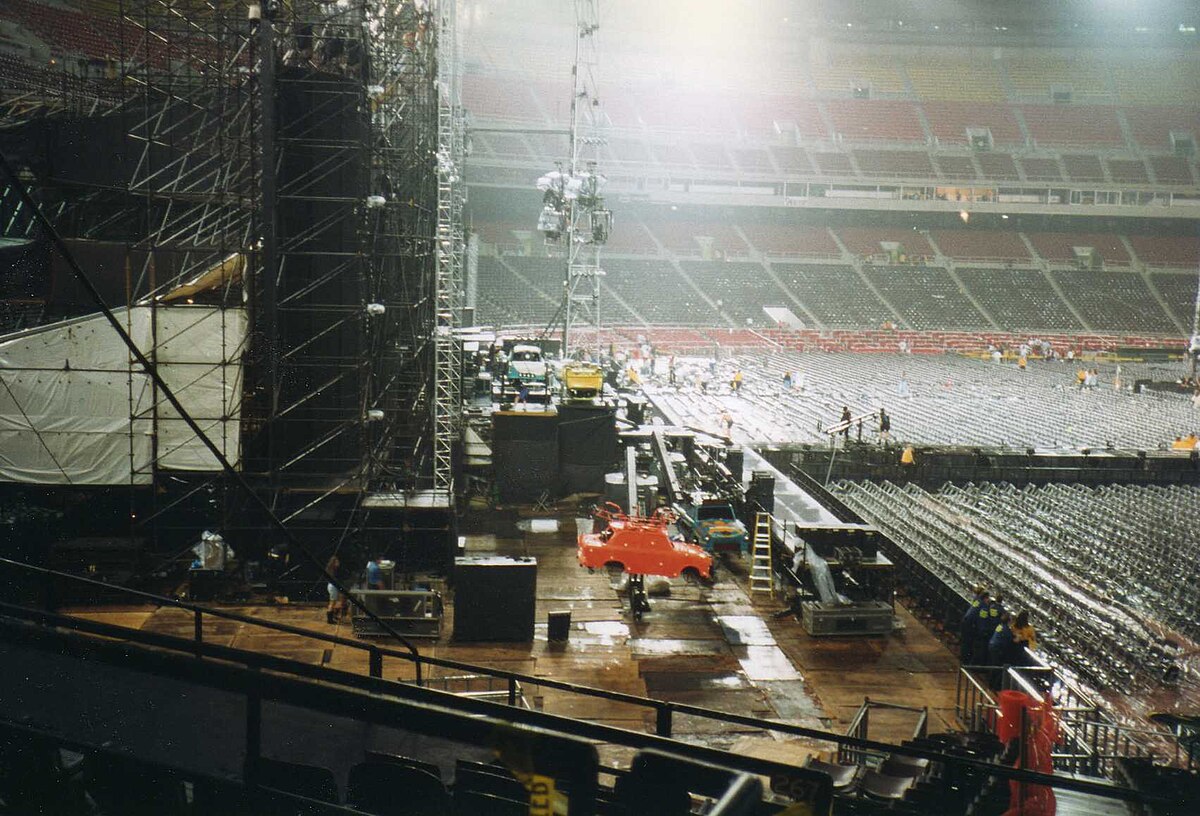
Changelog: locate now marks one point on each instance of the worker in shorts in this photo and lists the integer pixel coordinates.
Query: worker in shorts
(337, 601)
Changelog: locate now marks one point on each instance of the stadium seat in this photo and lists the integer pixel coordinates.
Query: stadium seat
(394, 789)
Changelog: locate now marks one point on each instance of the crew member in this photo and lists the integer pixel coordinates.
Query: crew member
(885, 428)
(1001, 644)
(989, 616)
(966, 632)
(1024, 637)
(337, 601)
(374, 574)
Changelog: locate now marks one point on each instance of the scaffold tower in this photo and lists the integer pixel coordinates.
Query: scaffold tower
(573, 205)
(451, 246)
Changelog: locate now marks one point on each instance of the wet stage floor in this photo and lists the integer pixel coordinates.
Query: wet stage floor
(711, 647)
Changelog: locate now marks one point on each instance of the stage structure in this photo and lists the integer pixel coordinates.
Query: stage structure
(573, 209)
(312, 150)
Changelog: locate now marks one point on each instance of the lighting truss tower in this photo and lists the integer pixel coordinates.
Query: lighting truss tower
(450, 251)
(574, 209)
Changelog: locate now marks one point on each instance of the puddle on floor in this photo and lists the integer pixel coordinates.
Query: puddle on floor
(745, 630)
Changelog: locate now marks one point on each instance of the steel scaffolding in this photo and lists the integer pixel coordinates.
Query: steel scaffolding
(320, 141)
(451, 247)
(573, 209)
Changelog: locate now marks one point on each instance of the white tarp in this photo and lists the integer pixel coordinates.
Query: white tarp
(75, 408)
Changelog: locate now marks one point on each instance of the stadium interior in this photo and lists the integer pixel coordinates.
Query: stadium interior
(600, 407)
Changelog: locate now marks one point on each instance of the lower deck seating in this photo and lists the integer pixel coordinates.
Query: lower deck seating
(925, 297)
(1113, 301)
(508, 296)
(657, 293)
(740, 290)
(834, 294)
(1178, 290)
(1135, 542)
(1018, 298)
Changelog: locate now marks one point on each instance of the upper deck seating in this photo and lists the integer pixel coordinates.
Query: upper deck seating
(981, 245)
(1167, 250)
(998, 166)
(867, 242)
(499, 98)
(949, 122)
(1034, 73)
(972, 80)
(1173, 170)
(1041, 169)
(858, 120)
(1083, 167)
(894, 163)
(792, 161)
(842, 73)
(1058, 247)
(1152, 125)
(788, 239)
(1128, 171)
(833, 164)
(955, 168)
(1084, 125)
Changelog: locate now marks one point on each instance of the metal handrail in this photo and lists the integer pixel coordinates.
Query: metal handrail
(226, 658)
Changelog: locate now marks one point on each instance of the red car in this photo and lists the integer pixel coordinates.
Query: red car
(640, 545)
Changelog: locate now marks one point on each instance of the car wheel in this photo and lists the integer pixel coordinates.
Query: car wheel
(615, 570)
(691, 575)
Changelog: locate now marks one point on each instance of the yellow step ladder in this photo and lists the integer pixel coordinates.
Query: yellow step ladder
(761, 579)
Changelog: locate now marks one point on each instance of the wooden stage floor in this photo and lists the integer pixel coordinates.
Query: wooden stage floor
(717, 648)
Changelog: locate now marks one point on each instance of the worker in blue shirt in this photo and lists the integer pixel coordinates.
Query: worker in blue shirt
(1001, 643)
(989, 616)
(968, 629)
(374, 574)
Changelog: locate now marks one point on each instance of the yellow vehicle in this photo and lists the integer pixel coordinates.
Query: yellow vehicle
(582, 380)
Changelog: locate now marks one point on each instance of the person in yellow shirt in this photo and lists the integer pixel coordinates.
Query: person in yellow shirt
(907, 457)
(1023, 632)
(1184, 443)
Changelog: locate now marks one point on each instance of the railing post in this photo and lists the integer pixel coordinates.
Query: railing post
(662, 720)
(197, 629)
(375, 662)
(512, 691)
